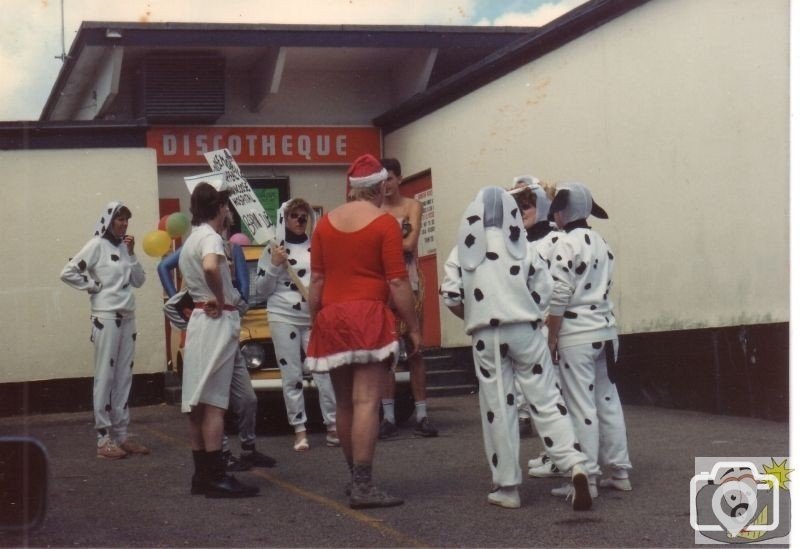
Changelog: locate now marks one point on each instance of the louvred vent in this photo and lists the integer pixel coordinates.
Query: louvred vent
(183, 88)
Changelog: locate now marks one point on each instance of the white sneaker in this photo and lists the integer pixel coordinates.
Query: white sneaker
(581, 490)
(565, 490)
(543, 467)
(507, 497)
(622, 484)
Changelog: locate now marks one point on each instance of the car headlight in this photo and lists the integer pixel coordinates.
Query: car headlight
(254, 355)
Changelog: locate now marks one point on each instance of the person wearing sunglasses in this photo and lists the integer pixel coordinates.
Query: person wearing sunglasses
(289, 319)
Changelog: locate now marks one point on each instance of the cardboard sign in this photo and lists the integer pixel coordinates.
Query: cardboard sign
(426, 245)
(215, 179)
(247, 204)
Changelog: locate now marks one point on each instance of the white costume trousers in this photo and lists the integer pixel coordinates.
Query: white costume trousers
(518, 352)
(594, 405)
(290, 343)
(209, 352)
(114, 343)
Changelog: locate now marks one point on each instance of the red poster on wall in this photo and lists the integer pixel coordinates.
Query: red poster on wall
(282, 145)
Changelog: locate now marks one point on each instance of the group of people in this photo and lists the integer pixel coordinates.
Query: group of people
(534, 298)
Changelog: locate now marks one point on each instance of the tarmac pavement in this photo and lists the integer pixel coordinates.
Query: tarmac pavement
(145, 501)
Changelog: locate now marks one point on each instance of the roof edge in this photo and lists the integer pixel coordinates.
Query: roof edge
(550, 37)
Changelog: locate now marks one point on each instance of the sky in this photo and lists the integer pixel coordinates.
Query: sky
(31, 34)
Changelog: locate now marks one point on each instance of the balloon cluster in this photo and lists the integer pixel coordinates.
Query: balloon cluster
(157, 243)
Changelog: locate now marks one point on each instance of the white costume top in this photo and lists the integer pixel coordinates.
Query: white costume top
(284, 301)
(202, 241)
(582, 265)
(107, 272)
(500, 291)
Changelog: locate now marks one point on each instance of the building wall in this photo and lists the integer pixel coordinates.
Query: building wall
(676, 116)
(47, 214)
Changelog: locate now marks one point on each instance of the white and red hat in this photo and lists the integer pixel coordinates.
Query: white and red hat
(366, 171)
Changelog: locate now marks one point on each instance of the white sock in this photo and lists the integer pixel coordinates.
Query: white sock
(421, 408)
(388, 409)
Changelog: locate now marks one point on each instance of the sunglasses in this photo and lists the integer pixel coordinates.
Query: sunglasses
(302, 218)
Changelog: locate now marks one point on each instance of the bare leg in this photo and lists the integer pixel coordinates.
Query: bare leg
(342, 379)
(212, 428)
(368, 381)
(196, 427)
(416, 368)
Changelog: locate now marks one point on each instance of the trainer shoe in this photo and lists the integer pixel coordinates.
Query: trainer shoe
(106, 449)
(387, 429)
(506, 497)
(131, 446)
(543, 467)
(254, 458)
(332, 440)
(566, 490)
(368, 496)
(425, 428)
(581, 490)
(622, 484)
(234, 464)
(229, 487)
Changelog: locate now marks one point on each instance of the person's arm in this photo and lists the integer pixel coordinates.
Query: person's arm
(315, 294)
(563, 288)
(241, 279)
(411, 240)
(270, 266)
(452, 288)
(213, 278)
(403, 299)
(165, 268)
(77, 272)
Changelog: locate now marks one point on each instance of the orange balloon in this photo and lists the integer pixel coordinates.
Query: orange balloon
(162, 223)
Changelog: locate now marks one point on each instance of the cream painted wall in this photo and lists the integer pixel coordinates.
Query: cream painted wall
(48, 212)
(321, 185)
(676, 116)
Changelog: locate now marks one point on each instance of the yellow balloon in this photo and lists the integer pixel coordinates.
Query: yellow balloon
(156, 243)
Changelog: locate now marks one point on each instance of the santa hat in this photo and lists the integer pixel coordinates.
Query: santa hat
(366, 171)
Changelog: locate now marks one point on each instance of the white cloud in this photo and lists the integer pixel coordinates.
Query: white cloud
(536, 17)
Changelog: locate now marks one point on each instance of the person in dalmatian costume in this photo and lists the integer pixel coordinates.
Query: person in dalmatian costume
(289, 320)
(107, 268)
(583, 335)
(495, 283)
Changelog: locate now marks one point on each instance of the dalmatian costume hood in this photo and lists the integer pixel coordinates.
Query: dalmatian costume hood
(105, 269)
(491, 248)
(582, 266)
(285, 303)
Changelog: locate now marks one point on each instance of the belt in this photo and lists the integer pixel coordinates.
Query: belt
(202, 304)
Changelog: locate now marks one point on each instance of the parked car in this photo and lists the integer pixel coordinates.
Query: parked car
(255, 342)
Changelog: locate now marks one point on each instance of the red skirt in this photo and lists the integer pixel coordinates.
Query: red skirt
(353, 332)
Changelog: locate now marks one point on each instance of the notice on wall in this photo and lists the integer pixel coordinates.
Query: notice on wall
(247, 204)
(427, 234)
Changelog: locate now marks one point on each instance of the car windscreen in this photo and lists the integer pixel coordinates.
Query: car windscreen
(254, 300)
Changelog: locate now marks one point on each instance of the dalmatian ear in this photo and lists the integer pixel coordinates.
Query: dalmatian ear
(280, 226)
(560, 202)
(471, 237)
(597, 211)
(513, 229)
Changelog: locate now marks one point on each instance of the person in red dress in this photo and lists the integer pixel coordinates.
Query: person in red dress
(356, 265)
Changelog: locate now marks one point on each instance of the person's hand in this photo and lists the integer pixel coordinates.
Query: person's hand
(128, 240)
(278, 255)
(212, 308)
(552, 344)
(415, 339)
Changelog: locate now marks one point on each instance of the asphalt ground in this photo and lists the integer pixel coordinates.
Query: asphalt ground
(145, 501)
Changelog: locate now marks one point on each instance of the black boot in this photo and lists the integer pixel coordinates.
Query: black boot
(364, 494)
(200, 477)
(222, 485)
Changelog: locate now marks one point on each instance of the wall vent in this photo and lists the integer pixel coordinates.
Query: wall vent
(182, 88)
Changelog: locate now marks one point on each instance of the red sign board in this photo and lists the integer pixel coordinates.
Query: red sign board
(285, 145)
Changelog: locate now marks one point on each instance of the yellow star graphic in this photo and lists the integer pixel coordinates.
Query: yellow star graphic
(780, 471)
